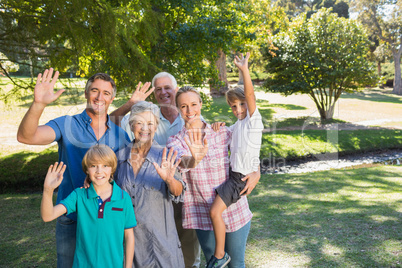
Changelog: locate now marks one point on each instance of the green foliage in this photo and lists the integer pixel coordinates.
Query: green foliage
(382, 19)
(130, 40)
(296, 7)
(323, 57)
(28, 170)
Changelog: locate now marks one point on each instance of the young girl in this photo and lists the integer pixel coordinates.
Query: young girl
(105, 214)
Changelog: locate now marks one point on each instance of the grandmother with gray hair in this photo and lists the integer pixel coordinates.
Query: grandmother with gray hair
(147, 172)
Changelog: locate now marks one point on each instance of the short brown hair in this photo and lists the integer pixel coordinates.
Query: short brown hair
(186, 89)
(236, 93)
(100, 153)
(101, 76)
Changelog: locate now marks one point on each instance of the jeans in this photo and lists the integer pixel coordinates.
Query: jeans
(65, 240)
(235, 245)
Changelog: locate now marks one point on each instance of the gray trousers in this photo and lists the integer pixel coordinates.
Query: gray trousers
(188, 238)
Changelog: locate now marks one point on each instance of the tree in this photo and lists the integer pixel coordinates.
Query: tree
(296, 7)
(196, 36)
(130, 40)
(384, 19)
(6, 65)
(322, 57)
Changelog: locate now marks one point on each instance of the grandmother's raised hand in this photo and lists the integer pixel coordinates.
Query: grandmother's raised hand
(169, 164)
(198, 147)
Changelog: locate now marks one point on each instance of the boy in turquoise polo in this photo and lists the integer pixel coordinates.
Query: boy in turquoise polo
(105, 214)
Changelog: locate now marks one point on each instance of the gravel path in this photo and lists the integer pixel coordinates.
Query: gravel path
(333, 161)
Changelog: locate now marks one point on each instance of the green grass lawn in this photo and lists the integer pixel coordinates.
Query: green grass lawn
(337, 218)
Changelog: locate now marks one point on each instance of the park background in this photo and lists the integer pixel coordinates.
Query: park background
(328, 84)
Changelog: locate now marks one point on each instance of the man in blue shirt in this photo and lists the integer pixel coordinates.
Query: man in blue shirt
(74, 135)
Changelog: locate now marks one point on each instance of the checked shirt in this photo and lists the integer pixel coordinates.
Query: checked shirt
(202, 180)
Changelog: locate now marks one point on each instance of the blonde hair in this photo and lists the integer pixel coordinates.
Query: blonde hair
(236, 93)
(99, 153)
(186, 89)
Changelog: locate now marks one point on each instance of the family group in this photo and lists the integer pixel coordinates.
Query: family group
(148, 185)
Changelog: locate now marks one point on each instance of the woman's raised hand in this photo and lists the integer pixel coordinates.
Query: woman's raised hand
(43, 92)
(169, 164)
(197, 146)
(54, 176)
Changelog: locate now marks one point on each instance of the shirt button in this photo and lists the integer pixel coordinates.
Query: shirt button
(133, 185)
(100, 204)
(101, 210)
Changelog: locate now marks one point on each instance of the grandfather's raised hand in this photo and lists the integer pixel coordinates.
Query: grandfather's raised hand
(54, 176)
(169, 164)
(141, 92)
(198, 147)
(43, 92)
(242, 62)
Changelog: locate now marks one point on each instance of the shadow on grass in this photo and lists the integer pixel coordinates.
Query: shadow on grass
(373, 95)
(25, 171)
(339, 218)
(26, 241)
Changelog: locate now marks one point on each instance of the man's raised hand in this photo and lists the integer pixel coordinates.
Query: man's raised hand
(141, 92)
(43, 92)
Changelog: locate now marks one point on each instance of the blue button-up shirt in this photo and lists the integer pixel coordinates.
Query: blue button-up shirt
(75, 136)
(156, 241)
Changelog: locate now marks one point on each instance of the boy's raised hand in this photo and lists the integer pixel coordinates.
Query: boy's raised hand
(43, 92)
(54, 176)
(242, 62)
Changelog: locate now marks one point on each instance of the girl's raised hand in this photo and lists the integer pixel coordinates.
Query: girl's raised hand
(54, 176)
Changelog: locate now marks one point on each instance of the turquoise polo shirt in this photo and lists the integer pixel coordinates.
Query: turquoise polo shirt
(74, 136)
(100, 226)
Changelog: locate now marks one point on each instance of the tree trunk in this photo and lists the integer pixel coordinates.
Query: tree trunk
(397, 80)
(219, 88)
(241, 78)
(379, 68)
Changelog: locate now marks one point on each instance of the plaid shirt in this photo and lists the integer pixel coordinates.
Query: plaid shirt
(202, 180)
